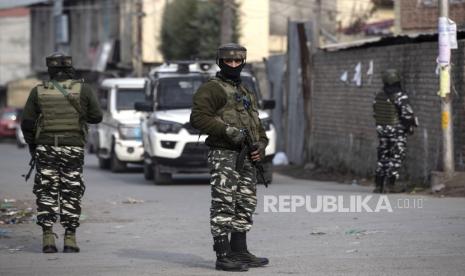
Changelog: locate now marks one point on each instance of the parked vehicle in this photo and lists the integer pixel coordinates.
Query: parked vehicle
(171, 144)
(8, 121)
(117, 139)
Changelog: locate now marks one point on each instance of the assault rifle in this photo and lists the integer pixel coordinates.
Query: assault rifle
(248, 147)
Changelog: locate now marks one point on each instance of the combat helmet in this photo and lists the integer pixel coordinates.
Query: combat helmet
(391, 76)
(231, 51)
(58, 60)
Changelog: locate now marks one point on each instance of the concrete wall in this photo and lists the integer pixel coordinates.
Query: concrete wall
(254, 28)
(14, 44)
(343, 131)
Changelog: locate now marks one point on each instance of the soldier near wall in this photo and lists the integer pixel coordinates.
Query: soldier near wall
(54, 124)
(394, 120)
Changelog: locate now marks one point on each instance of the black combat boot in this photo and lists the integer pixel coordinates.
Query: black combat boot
(70, 245)
(392, 188)
(379, 184)
(48, 240)
(240, 252)
(224, 260)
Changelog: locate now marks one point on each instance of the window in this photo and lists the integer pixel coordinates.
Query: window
(126, 98)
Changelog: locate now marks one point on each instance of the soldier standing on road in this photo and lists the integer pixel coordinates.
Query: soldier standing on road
(54, 126)
(394, 120)
(222, 108)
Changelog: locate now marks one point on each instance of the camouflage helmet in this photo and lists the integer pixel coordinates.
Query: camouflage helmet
(391, 76)
(231, 51)
(59, 60)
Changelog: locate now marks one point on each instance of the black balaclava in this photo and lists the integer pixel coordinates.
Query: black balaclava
(61, 73)
(228, 72)
(390, 89)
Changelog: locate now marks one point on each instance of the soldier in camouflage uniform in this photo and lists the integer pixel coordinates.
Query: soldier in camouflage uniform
(394, 120)
(54, 126)
(222, 108)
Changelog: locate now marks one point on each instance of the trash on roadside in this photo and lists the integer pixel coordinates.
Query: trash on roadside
(131, 200)
(280, 158)
(9, 200)
(4, 233)
(438, 187)
(355, 232)
(10, 213)
(15, 249)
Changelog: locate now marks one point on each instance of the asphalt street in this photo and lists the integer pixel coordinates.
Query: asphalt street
(132, 227)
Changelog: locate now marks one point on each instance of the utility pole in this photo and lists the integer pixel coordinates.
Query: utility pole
(316, 26)
(139, 14)
(226, 21)
(305, 65)
(60, 27)
(444, 90)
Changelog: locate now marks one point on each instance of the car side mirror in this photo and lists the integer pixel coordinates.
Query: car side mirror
(103, 104)
(268, 104)
(143, 106)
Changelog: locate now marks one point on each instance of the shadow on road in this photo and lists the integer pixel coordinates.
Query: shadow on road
(189, 260)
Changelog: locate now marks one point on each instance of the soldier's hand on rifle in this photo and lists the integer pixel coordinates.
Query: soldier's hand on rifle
(235, 135)
(258, 150)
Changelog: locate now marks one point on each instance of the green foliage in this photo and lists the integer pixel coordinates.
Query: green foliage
(191, 29)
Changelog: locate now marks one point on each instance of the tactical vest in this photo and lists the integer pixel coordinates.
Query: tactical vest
(237, 112)
(385, 110)
(59, 123)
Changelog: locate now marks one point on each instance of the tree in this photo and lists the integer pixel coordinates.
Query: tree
(191, 29)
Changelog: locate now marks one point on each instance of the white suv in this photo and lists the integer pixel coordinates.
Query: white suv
(171, 144)
(118, 138)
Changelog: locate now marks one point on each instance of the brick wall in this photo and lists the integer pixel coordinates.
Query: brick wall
(343, 132)
(416, 16)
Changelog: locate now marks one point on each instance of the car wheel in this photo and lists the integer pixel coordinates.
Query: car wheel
(159, 177)
(148, 171)
(103, 163)
(115, 164)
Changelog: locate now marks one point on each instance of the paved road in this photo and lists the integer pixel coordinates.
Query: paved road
(168, 233)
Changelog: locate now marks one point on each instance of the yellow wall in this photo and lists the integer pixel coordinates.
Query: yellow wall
(254, 29)
(151, 28)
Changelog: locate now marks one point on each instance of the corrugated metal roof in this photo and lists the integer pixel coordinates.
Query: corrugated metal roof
(8, 4)
(388, 40)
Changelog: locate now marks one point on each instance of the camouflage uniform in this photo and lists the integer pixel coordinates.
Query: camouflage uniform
(58, 185)
(234, 194)
(54, 124)
(222, 108)
(394, 120)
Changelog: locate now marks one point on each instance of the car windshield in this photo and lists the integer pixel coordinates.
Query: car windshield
(176, 93)
(125, 98)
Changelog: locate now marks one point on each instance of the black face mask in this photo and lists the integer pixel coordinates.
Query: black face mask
(61, 74)
(392, 88)
(229, 72)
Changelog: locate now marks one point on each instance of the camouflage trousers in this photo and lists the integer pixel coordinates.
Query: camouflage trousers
(58, 185)
(391, 149)
(234, 194)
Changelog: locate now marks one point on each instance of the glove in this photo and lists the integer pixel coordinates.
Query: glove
(32, 149)
(235, 135)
